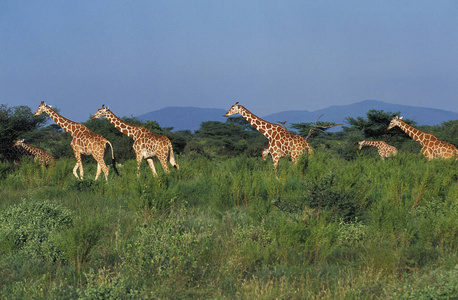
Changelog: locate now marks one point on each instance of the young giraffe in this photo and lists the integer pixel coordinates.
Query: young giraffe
(384, 150)
(146, 143)
(37, 153)
(281, 142)
(84, 142)
(432, 147)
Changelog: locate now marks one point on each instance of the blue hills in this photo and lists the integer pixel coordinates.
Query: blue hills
(190, 118)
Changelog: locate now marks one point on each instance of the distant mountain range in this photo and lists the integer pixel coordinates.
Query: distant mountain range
(190, 118)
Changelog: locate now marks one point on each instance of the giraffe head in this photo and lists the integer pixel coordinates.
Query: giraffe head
(361, 144)
(19, 142)
(394, 122)
(102, 112)
(235, 109)
(41, 108)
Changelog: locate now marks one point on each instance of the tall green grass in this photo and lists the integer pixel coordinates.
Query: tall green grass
(325, 228)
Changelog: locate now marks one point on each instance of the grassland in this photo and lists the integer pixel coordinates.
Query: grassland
(326, 228)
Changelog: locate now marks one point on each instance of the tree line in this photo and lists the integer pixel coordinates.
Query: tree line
(232, 138)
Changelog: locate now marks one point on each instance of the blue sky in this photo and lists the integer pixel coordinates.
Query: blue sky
(138, 56)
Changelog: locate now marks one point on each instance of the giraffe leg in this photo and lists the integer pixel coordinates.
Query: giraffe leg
(275, 159)
(294, 156)
(74, 170)
(81, 169)
(77, 165)
(151, 165)
(139, 161)
(164, 163)
(105, 170)
(99, 170)
(101, 166)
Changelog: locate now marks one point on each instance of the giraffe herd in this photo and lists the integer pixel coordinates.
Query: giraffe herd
(148, 144)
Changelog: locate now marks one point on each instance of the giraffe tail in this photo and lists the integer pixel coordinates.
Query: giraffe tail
(113, 159)
(172, 158)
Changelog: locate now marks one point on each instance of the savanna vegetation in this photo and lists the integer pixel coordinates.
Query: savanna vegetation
(341, 224)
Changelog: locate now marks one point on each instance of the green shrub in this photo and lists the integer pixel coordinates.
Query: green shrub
(438, 284)
(6, 168)
(326, 228)
(77, 242)
(104, 284)
(30, 227)
(165, 247)
(324, 194)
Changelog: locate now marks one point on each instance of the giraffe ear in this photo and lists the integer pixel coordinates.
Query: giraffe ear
(401, 118)
(108, 108)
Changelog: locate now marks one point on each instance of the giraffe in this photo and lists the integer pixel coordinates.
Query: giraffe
(432, 147)
(38, 153)
(146, 143)
(384, 150)
(281, 142)
(83, 142)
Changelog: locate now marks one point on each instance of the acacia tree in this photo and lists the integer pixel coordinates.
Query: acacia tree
(313, 130)
(375, 125)
(14, 122)
(234, 137)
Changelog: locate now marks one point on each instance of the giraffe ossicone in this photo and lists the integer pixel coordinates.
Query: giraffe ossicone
(146, 143)
(432, 147)
(84, 142)
(38, 154)
(281, 141)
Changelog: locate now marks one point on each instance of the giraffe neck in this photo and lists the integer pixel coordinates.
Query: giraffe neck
(261, 125)
(28, 148)
(131, 131)
(67, 125)
(413, 132)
